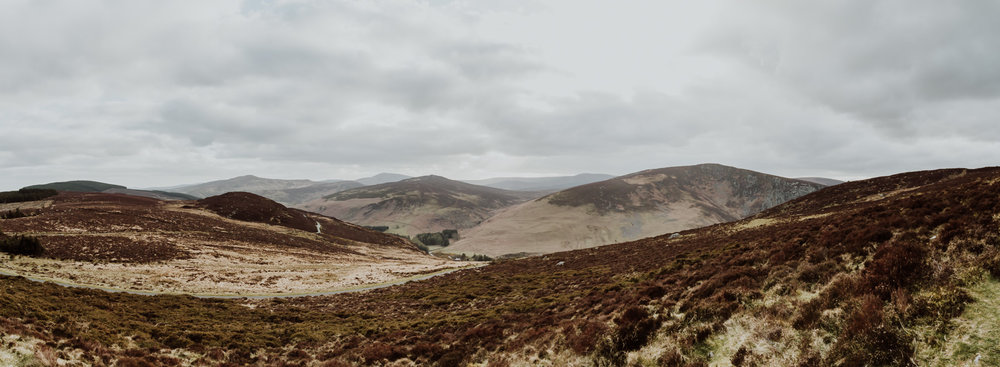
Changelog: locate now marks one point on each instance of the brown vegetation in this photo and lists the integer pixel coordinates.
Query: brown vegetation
(842, 277)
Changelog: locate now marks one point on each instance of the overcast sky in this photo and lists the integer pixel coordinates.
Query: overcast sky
(159, 93)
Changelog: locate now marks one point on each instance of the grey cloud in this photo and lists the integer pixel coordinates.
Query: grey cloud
(879, 60)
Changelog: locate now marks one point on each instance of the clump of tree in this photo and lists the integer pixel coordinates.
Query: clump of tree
(442, 239)
(23, 195)
(11, 214)
(20, 245)
(480, 257)
(378, 228)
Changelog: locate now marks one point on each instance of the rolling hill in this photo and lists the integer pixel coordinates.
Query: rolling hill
(382, 178)
(540, 184)
(630, 207)
(76, 186)
(417, 205)
(892, 271)
(247, 183)
(287, 192)
(821, 180)
(235, 243)
(94, 186)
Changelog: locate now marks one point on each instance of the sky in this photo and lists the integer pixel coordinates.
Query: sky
(149, 93)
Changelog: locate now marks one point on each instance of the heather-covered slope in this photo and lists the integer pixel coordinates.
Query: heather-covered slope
(630, 207)
(417, 205)
(898, 270)
(232, 243)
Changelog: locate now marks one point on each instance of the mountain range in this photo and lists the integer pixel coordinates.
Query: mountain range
(630, 207)
(417, 205)
(899, 270)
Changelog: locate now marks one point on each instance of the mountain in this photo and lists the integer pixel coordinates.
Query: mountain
(417, 205)
(94, 186)
(155, 194)
(821, 180)
(382, 178)
(248, 183)
(77, 186)
(235, 243)
(901, 270)
(301, 195)
(630, 207)
(540, 184)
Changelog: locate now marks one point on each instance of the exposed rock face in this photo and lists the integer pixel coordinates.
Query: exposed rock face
(642, 204)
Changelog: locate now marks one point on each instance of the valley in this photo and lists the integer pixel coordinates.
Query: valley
(875, 272)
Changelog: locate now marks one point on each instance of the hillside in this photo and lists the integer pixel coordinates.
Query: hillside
(382, 178)
(821, 180)
(155, 194)
(417, 205)
(248, 183)
(77, 186)
(540, 184)
(630, 207)
(301, 195)
(236, 243)
(900, 270)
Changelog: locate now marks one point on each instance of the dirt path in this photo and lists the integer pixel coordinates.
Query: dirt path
(359, 288)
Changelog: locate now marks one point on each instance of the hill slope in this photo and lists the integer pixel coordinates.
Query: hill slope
(417, 205)
(233, 243)
(382, 178)
(248, 183)
(542, 184)
(642, 204)
(898, 270)
(77, 186)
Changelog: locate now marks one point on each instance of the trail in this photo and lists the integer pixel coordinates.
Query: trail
(359, 288)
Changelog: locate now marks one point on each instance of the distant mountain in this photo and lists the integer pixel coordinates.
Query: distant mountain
(634, 206)
(301, 195)
(155, 194)
(821, 180)
(417, 205)
(77, 186)
(94, 186)
(382, 178)
(248, 183)
(544, 184)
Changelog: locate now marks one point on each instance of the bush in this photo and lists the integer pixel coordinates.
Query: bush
(895, 265)
(433, 239)
(21, 245)
(12, 214)
(23, 195)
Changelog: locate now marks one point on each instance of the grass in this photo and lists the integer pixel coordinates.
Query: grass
(976, 331)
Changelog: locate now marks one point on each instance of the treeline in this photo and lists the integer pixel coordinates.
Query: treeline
(476, 257)
(26, 195)
(378, 228)
(20, 245)
(442, 239)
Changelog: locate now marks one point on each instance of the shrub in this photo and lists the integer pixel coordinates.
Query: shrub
(583, 338)
(872, 338)
(12, 214)
(895, 265)
(634, 329)
(21, 245)
(432, 239)
(23, 195)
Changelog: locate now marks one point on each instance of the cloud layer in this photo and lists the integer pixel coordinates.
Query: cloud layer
(148, 93)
